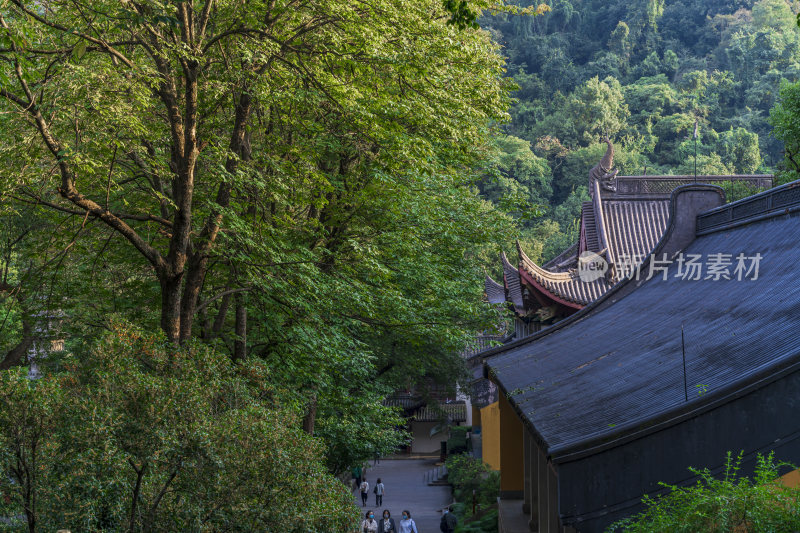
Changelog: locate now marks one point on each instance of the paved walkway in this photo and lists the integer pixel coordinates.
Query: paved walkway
(406, 489)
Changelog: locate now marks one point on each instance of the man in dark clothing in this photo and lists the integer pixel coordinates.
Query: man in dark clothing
(449, 521)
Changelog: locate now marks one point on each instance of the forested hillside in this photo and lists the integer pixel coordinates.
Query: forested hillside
(643, 73)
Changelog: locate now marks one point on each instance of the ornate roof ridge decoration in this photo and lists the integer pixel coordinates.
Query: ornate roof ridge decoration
(603, 173)
(535, 270)
(600, 223)
(565, 288)
(648, 187)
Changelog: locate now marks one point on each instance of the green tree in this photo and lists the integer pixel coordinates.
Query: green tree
(518, 181)
(739, 150)
(250, 99)
(598, 109)
(137, 435)
(785, 120)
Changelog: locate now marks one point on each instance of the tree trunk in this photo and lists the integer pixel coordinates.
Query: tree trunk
(311, 416)
(16, 355)
(219, 320)
(171, 307)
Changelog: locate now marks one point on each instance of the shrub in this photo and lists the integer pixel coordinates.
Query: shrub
(466, 474)
(458, 443)
(732, 503)
(139, 436)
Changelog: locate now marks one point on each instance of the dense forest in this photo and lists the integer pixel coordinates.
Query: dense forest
(642, 73)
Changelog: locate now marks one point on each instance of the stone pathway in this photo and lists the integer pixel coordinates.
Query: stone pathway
(407, 489)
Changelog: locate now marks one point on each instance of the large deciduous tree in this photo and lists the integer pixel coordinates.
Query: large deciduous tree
(284, 179)
(188, 127)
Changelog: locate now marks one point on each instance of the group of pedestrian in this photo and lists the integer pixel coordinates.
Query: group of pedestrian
(378, 490)
(387, 524)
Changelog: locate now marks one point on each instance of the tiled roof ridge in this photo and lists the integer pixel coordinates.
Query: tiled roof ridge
(599, 220)
(495, 292)
(512, 283)
(772, 202)
(661, 185)
(538, 272)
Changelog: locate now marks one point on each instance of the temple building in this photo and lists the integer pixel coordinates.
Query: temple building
(694, 353)
(624, 221)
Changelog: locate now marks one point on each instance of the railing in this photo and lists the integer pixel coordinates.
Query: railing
(662, 186)
(768, 203)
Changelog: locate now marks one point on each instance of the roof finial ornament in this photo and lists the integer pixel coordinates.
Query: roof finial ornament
(603, 172)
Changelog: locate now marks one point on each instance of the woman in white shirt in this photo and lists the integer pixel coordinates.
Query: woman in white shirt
(369, 524)
(407, 524)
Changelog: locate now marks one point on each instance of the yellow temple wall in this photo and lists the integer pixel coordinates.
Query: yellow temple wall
(490, 435)
(512, 458)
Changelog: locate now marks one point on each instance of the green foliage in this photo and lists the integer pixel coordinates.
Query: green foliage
(785, 120)
(517, 181)
(467, 474)
(736, 190)
(671, 63)
(458, 443)
(333, 218)
(485, 524)
(137, 435)
(714, 504)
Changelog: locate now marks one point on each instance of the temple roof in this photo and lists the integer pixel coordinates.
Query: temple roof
(495, 292)
(565, 287)
(621, 225)
(616, 367)
(513, 287)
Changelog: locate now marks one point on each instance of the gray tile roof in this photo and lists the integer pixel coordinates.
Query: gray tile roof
(512, 283)
(633, 227)
(452, 412)
(563, 285)
(630, 223)
(589, 227)
(495, 292)
(602, 374)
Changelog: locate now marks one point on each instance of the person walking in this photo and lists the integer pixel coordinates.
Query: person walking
(386, 524)
(379, 490)
(449, 521)
(364, 491)
(407, 524)
(369, 524)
